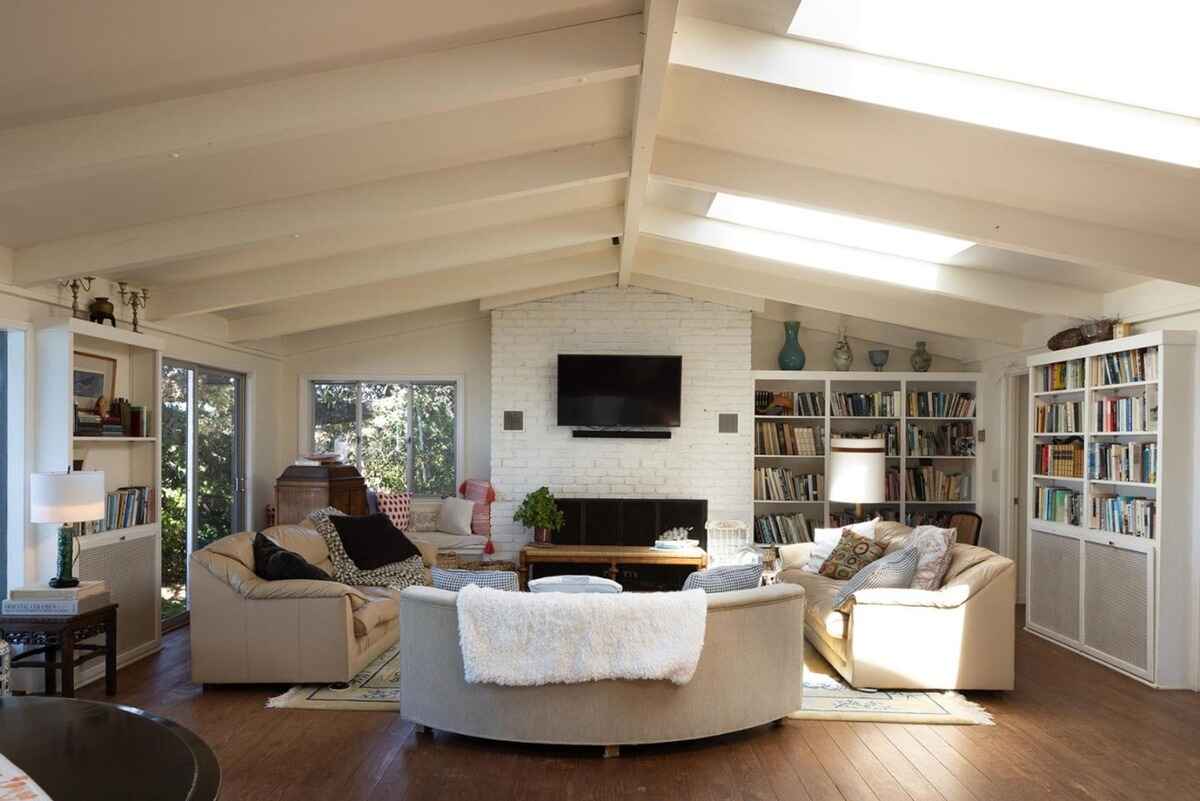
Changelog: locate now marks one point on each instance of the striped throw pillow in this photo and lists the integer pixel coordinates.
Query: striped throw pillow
(894, 570)
(726, 578)
(455, 580)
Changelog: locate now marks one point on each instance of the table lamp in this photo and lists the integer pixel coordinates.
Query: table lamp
(856, 472)
(66, 498)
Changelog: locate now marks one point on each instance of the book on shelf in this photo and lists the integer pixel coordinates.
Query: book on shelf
(86, 589)
(865, 404)
(1060, 458)
(928, 483)
(1058, 376)
(941, 404)
(1122, 514)
(783, 404)
(1123, 461)
(55, 606)
(123, 508)
(1058, 505)
(788, 439)
(781, 484)
(1114, 415)
(888, 432)
(928, 517)
(891, 485)
(1126, 367)
(1063, 417)
(840, 518)
(948, 439)
(781, 529)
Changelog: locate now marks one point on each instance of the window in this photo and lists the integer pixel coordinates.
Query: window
(402, 435)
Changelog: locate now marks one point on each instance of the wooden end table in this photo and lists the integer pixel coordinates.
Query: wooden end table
(611, 555)
(57, 638)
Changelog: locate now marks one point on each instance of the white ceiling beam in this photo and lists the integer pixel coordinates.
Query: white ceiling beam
(687, 290)
(660, 30)
(372, 266)
(378, 203)
(959, 283)
(546, 292)
(413, 293)
(761, 278)
(324, 102)
(762, 15)
(1007, 227)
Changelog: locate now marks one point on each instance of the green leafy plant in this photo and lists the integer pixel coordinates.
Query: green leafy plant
(540, 510)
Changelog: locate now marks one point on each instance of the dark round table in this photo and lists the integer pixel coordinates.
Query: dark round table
(87, 750)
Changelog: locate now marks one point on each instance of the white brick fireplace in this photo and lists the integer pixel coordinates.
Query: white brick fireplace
(696, 462)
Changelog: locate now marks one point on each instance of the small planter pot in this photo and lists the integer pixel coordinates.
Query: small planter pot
(541, 536)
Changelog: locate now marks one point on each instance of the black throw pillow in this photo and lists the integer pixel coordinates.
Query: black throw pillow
(372, 541)
(273, 563)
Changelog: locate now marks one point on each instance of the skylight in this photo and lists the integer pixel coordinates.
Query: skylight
(1140, 54)
(839, 229)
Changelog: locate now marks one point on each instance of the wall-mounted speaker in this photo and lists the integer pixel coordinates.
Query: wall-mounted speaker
(727, 423)
(514, 421)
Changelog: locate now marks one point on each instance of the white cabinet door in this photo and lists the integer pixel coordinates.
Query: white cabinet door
(1118, 600)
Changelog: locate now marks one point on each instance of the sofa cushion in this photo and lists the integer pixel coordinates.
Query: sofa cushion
(441, 541)
(826, 539)
(933, 544)
(372, 541)
(963, 558)
(892, 535)
(304, 541)
(455, 516)
(819, 613)
(378, 611)
(455, 580)
(893, 570)
(725, 578)
(273, 563)
(398, 507)
(398, 575)
(852, 554)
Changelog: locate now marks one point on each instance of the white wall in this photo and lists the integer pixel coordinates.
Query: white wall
(696, 462)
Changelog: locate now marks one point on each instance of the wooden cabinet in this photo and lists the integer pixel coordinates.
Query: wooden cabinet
(301, 489)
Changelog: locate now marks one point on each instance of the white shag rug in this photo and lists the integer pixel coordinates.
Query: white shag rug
(826, 697)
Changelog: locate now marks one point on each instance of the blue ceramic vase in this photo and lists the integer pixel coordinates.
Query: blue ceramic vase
(791, 357)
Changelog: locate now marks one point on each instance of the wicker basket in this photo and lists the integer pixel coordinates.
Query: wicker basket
(726, 539)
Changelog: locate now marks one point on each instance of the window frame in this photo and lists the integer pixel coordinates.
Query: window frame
(305, 433)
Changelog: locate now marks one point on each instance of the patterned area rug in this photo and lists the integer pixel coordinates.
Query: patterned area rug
(826, 697)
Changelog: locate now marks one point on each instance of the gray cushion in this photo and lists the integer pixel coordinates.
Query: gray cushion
(894, 570)
(726, 578)
(455, 580)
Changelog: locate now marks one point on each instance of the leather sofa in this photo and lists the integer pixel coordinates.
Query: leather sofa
(960, 636)
(751, 672)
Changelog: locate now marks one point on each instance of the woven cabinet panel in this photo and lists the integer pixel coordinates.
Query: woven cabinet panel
(1054, 592)
(1116, 603)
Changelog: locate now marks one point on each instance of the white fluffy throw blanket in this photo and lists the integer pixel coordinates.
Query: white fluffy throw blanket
(522, 639)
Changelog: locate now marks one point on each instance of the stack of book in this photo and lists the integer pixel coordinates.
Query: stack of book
(1126, 367)
(1059, 418)
(781, 529)
(788, 439)
(1060, 376)
(931, 484)
(1058, 504)
(781, 484)
(804, 404)
(42, 600)
(941, 404)
(866, 404)
(1125, 414)
(88, 424)
(1123, 461)
(1064, 458)
(1123, 515)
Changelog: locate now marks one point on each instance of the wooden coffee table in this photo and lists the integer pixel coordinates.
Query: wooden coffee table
(611, 555)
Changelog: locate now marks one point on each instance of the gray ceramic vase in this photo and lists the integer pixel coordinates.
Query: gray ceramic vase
(843, 357)
(920, 360)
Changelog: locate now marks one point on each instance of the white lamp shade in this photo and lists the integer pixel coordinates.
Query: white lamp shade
(66, 497)
(856, 471)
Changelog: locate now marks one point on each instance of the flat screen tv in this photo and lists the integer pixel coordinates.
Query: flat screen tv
(613, 391)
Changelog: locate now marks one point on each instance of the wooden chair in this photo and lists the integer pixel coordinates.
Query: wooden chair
(968, 525)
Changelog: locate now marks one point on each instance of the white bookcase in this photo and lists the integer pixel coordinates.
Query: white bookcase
(1127, 600)
(128, 558)
(821, 512)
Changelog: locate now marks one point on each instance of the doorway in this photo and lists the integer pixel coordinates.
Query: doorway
(1017, 461)
(203, 470)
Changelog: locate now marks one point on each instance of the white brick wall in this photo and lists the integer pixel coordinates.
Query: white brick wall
(696, 462)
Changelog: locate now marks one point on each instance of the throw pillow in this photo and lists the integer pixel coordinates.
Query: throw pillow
(851, 555)
(725, 578)
(482, 495)
(455, 580)
(894, 570)
(398, 507)
(273, 563)
(826, 539)
(372, 541)
(395, 576)
(934, 545)
(455, 516)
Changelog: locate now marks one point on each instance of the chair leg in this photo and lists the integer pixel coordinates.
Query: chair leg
(612, 751)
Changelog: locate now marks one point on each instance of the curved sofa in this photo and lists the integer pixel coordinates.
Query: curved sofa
(750, 673)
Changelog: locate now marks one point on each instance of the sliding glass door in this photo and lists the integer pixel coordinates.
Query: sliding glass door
(204, 476)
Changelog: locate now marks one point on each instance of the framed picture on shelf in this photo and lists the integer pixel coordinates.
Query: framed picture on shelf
(95, 377)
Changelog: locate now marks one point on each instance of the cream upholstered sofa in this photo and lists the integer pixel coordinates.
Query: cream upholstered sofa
(247, 630)
(751, 672)
(958, 637)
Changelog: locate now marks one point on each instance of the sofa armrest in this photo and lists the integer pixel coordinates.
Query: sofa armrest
(305, 588)
(956, 592)
(794, 555)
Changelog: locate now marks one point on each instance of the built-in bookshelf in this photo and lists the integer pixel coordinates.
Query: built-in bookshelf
(926, 420)
(1109, 553)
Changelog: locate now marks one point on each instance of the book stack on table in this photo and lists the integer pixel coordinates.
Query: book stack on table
(41, 600)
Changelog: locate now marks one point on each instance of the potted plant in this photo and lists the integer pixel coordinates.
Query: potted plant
(540, 512)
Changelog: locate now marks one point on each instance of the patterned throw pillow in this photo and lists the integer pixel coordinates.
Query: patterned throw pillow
(455, 580)
(395, 576)
(851, 555)
(934, 545)
(894, 570)
(398, 507)
(725, 578)
(826, 539)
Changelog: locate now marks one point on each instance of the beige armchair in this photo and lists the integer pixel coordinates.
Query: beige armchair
(958, 637)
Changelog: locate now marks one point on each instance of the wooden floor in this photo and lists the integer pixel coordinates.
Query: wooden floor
(1071, 730)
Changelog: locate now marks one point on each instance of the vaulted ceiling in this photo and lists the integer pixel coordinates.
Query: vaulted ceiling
(293, 166)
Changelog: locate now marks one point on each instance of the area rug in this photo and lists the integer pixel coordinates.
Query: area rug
(826, 697)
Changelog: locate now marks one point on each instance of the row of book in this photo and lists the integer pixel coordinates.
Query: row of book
(950, 439)
(941, 404)
(891, 485)
(1058, 376)
(865, 404)
(885, 431)
(781, 529)
(121, 420)
(1123, 461)
(1126, 367)
(1063, 458)
(1058, 504)
(804, 404)
(931, 484)
(840, 518)
(42, 600)
(781, 484)
(1065, 417)
(127, 506)
(928, 517)
(788, 439)
(1125, 414)
(1123, 515)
